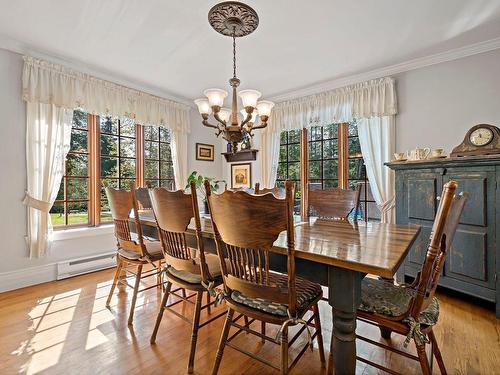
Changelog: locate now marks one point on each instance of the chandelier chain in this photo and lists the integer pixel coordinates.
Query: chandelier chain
(234, 53)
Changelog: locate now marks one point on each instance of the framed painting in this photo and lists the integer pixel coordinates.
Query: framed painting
(241, 175)
(204, 152)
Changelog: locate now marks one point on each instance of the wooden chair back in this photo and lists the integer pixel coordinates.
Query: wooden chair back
(122, 202)
(173, 212)
(246, 226)
(276, 191)
(443, 230)
(142, 196)
(334, 204)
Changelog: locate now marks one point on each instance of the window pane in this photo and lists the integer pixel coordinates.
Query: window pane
(79, 140)
(355, 167)
(127, 168)
(281, 171)
(294, 152)
(79, 119)
(152, 183)
(315, 151)
(109, 167)
(127, 127)
(126, 183)
(294, 136)
(164, 135)
(151, 133)
(354, 147)
(166, 170)
(165, 151)
(108, 125)
(282, 153)
(57, 214)
(330, 149)
(294, 171)
(60, 193)
(151, 150)
(77, 165)
(105, 210)
(78, 213)
(109, 145)
(151, 169)
(77, 189)
(352, 129)
(168, 184)
(331, 184)
(283, 137)
(330, 169)
(127, 147)
(314, 169)
(330, 131)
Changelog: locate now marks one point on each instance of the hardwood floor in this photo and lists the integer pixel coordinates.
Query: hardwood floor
(63, 327)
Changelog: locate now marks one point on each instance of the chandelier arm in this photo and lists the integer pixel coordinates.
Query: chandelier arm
(216, 116)
(260, 126)
(247, 119)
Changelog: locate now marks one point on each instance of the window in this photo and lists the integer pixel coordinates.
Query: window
(158, 166)
(107, 151)
(334, 160)
(72, 203)
(289, 163)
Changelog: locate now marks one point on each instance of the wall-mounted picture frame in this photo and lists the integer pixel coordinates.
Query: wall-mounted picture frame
(241, 175)
(204, 152)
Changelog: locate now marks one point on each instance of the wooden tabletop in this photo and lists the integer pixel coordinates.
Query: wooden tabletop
(373, 247)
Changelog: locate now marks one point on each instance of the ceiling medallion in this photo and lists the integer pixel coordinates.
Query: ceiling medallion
(234, 19)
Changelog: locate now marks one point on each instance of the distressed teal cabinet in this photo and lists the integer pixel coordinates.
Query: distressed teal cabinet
(471, 265)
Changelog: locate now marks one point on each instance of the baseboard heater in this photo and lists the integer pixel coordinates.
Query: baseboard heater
(81, 266)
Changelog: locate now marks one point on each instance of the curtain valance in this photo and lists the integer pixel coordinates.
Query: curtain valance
(375, 98)
(49, 83)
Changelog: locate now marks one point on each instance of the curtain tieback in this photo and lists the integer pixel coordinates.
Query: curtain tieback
(37, 204)
(387, 205)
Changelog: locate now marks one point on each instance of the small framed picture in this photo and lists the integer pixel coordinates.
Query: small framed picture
(204, 152)
(241, 175)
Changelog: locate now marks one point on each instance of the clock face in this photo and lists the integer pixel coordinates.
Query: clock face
(481, 136)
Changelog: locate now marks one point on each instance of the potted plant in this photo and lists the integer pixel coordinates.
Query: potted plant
(199, 180)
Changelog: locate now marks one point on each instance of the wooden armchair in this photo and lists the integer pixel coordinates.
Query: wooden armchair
(336, 204)
(142, 196)
(412, 310)
(276, 191)
(132, 250)
(245, 227)
(190, 269)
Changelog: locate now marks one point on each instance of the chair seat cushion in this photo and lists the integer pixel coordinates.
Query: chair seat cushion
(307, 292)
(385, 298)
(213, 264)
(153, 248)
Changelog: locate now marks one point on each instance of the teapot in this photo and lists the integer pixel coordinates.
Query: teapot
(418, 153)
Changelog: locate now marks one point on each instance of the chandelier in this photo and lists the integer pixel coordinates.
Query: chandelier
(234, 19)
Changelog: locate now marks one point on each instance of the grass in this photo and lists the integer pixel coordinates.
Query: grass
(58, 219)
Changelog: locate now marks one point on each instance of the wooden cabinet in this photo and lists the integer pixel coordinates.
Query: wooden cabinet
(471, 265)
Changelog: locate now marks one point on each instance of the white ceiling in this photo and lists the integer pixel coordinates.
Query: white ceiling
(169, 45)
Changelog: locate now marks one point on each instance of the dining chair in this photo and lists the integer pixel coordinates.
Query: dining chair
(245, 227)
(336, 203)
(278, 192)
(413, 310)
(132, 249)
(142, 196)
(189, 268)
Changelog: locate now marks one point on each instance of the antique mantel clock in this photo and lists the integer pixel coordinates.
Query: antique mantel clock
(482, 139)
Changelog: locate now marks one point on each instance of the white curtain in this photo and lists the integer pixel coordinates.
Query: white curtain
(270, 146)
(179, 158)
(377, 140)
(48, 136)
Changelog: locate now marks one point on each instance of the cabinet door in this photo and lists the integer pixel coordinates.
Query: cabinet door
(472, 254)
(418, 206)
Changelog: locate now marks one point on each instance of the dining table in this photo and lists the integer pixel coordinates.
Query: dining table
(336, 254)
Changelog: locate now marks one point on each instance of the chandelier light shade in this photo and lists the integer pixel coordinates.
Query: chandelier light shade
(234, 19)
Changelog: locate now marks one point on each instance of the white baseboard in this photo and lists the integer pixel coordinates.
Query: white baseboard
(27, 277)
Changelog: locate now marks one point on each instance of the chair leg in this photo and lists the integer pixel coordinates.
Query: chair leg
(330, 359)
(437, 353)
(159, 277)
(115, 280)
(164, 300)
(284, 351)
(385, 333)
(422, 356)
(183, 293)
(246, 323)
(263, 330)
(194, 334)
(134, 297)
(209, 308)
(222, 342)
(319, 336)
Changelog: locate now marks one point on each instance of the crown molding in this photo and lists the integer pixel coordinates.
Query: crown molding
(420, 62)
(16, 46)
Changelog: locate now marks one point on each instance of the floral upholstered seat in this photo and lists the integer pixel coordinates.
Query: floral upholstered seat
(385, 298)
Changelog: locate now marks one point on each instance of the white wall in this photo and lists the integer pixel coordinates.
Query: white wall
(17, 269)
(439, 103)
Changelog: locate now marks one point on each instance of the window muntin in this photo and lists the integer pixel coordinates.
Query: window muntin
(289, 163)
(158, 165)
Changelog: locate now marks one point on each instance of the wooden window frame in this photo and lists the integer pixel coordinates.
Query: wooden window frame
(159, 179)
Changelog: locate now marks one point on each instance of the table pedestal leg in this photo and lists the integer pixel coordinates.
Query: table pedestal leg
(344, 296)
